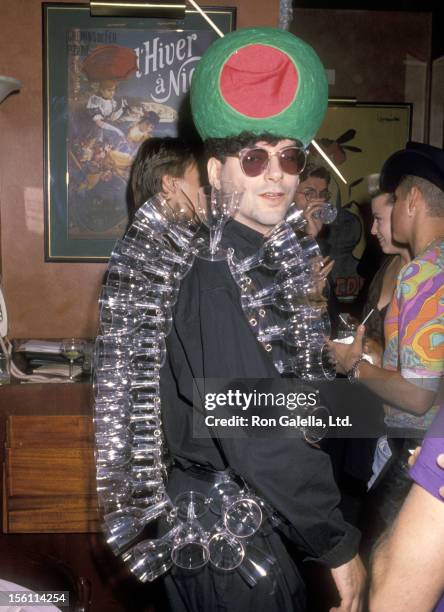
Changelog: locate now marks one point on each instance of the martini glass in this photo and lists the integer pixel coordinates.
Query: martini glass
(72, 349)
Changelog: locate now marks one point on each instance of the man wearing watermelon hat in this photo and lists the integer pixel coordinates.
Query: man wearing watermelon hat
(258, 97)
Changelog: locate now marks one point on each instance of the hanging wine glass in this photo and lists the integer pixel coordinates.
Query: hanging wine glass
(140, 244)
(306, 325)
(118, 318)
(130, 281)
(150, 559)
(292, 268)
(108, 382)
(111, 352)
(226, 551)
(113, 454)
(108, 425)
(158, 217)
(279, 245)
(220, 490)
(119, 487)
(182, 263)
(122, 527)
(258, 566)
(242, 515)
(286, 296)
(190, 544)
(197, 501)
(215, 207)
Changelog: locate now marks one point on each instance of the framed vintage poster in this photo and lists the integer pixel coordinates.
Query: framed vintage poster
(358, 138)
(110, 83)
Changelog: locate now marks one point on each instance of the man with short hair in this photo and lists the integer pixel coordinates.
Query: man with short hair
(162, 165)
(247, 95)
(413, 361)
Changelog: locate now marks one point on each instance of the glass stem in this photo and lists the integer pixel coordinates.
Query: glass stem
(215, 236)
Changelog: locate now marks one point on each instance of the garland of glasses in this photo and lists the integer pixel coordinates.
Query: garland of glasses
(139, 292)
(298, 291)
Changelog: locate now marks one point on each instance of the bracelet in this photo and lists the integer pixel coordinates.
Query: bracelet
(353, 373)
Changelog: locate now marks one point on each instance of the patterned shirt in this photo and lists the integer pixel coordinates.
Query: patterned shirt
(414, 329)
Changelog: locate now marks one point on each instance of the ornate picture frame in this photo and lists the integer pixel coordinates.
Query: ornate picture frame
(109, 83)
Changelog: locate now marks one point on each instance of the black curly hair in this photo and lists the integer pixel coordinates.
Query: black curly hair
(221, 148)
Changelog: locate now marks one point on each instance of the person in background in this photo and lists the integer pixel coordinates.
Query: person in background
(312, 194)
(360, 453)
(383, 284)
(163, 165)
(407, 568)
(413, 361)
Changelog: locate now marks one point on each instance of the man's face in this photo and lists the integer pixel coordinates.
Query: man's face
(266, 197)
(315, 188)
(382, 221)
(401, 219)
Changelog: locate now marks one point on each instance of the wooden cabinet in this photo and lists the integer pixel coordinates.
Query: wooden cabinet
(49, 501)
(49, 483)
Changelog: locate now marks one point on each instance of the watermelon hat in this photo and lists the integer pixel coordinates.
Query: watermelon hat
(259, 80)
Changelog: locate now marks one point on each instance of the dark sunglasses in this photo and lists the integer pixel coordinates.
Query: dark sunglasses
(254, 162)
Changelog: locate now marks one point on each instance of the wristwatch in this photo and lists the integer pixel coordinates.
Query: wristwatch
(353, 372)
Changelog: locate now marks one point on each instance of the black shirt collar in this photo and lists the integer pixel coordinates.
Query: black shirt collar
(244, 234)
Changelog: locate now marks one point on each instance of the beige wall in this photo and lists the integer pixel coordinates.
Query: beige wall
(47, 300)
(375, 56)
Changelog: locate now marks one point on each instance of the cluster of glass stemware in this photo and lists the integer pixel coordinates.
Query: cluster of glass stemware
(226, 546)
(298, 291)
(140, 289)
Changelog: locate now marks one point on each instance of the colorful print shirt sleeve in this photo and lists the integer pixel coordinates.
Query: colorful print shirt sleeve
(414, 325)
